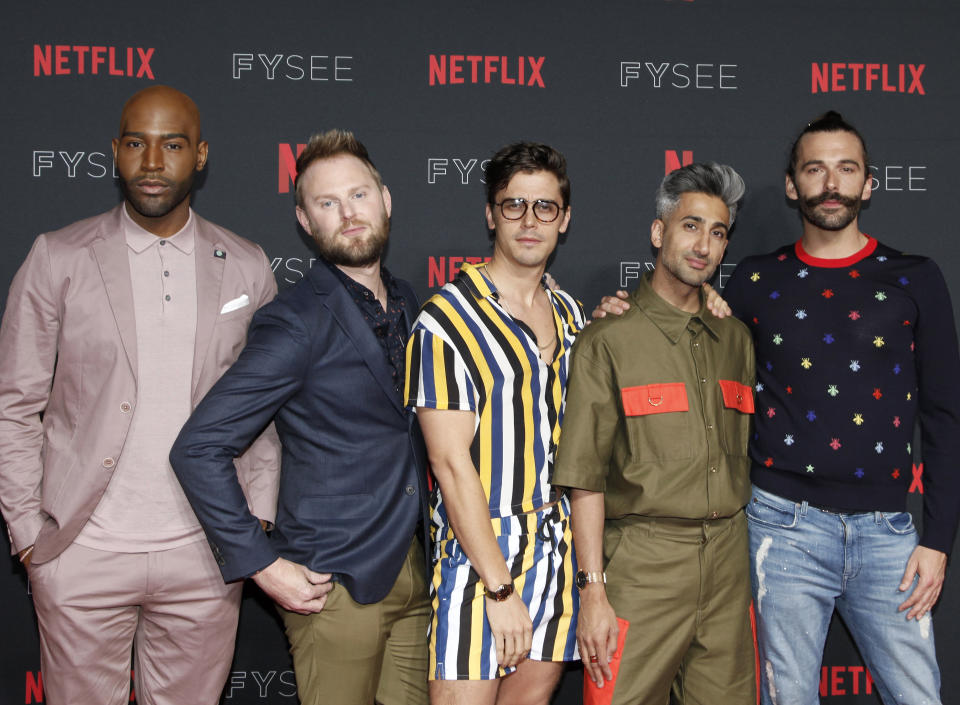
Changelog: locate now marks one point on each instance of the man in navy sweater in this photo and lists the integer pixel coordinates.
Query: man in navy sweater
(855, 342)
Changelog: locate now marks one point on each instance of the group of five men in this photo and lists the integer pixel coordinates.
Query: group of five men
(299, 427)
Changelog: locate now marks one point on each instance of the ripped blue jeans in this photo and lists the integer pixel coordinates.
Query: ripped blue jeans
(804, 562)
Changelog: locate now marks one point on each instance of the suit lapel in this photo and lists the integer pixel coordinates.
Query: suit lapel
(344, 309)
(209, 269)
(110, 249)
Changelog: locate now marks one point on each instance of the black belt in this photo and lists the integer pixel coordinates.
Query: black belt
(837, 510)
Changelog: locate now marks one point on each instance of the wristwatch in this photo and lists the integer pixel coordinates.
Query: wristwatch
(583, 578)
(500, 593)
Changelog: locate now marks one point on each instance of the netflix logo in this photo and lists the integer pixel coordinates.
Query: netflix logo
(831, 77)
(845, 680)
(287, 165)
(83, 59)
(673, 159)
(457, 69)
(441, 270)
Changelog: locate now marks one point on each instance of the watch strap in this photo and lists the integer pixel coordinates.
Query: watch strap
(500, 593)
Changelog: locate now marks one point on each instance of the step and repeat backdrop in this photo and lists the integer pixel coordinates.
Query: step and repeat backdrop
(627, 90)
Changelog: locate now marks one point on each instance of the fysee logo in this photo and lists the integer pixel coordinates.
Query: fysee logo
(455, 69)
(679, 75)
(832, 77)
(96, 165)
(82, 59)
(294, 67)
(267, 683)
(439, 166)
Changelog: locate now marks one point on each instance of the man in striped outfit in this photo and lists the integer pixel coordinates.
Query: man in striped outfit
(486, 371)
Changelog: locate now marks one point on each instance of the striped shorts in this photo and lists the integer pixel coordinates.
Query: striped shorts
(538, 549)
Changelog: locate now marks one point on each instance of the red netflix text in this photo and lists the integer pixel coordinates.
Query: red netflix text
(81, 59)
(845, 680)
(454, 69)
(440, 270)
(832, 77)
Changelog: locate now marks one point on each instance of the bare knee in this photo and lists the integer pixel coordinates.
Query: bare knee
(532, 683)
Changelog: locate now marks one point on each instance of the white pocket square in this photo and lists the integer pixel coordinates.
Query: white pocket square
(234, 304)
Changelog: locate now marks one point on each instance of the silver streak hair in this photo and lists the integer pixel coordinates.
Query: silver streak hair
(710, 178)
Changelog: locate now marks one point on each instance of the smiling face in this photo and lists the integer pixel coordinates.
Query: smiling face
(692, 239)
(527, 242)
(157, 155)
(345, 210)
(831, 179)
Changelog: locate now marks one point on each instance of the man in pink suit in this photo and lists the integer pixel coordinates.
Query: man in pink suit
(114, 329)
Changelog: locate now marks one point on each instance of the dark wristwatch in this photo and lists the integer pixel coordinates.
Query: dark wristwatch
(500, 593)
(583, 579)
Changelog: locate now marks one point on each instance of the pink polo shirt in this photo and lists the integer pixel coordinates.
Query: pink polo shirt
(144, 508)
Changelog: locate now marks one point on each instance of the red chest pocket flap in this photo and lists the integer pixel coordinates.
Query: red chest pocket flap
(737, 396)
(654, 399)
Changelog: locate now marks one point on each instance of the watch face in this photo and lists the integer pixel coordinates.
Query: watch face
(501, 593)
(581, 580)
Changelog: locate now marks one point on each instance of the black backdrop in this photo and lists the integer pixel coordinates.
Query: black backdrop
(624, 89)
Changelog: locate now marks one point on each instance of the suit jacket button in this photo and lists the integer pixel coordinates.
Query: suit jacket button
(125, 406)
(410, 490)
(108, 462)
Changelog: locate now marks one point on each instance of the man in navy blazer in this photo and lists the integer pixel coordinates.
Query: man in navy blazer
(345, 561)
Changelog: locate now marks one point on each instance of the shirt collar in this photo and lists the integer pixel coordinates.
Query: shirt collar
(482, 286)
(139, 239)
(671, 320)
(388, 280)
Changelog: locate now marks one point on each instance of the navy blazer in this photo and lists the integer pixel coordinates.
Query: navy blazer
(353, 472)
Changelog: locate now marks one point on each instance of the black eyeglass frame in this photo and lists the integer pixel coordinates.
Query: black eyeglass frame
(526, 205)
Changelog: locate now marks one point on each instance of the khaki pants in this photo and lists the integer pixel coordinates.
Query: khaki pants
(350, 653)
(684, 586)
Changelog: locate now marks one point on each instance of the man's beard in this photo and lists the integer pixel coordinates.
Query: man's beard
(837, 220)
(689, 276)
(156, 206)
(354, 252)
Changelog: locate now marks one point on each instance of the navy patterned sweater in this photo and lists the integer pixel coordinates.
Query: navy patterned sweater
(851, 353)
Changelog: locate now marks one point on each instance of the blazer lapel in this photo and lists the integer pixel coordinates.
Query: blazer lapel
(351, 320)
(209, 279)
(110, 250)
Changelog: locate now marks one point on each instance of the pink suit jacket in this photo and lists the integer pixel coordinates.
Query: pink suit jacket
(68, 371)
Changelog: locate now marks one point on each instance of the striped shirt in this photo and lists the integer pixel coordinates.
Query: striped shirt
(467, 353)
